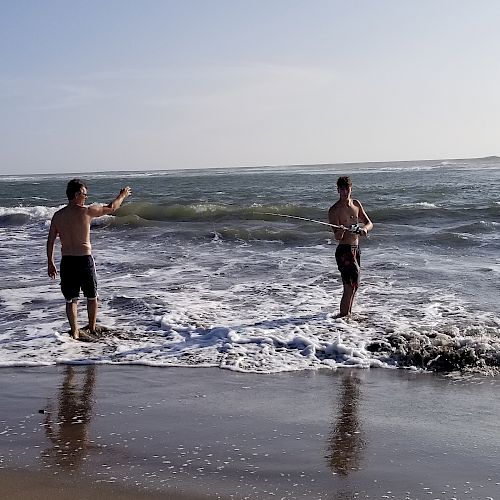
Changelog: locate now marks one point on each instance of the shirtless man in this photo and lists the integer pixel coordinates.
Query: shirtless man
(72, 225)
(345, 213)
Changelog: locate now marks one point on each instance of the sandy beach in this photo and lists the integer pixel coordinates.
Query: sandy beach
(141, 432)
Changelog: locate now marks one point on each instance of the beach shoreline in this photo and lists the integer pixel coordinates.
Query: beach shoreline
(205, 432)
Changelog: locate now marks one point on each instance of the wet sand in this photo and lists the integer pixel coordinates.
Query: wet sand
(141, 432)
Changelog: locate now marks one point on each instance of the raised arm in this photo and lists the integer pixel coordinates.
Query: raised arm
(51, 239)
(362, 217)
(110, 208)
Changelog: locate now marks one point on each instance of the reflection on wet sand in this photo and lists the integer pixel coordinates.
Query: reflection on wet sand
(346, 443)
(68, 431)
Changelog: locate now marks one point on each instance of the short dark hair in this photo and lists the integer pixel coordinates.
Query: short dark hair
(73, 187)
(344, 182)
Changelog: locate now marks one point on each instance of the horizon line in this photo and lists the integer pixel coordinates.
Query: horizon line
(263, 166)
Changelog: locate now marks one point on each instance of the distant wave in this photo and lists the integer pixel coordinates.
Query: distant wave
(418, 212)
(199, 212)
(229, 220)
(478, 227)
(15, 219)
(486, 163)
(412, 214)
(422, 204)
(18, 216)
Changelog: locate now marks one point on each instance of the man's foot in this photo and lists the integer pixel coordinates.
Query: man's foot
(341, 315)
(98, 331)
(86, 337)
(75, 335)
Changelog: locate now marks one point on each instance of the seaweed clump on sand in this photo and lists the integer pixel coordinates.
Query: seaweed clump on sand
(440, 352)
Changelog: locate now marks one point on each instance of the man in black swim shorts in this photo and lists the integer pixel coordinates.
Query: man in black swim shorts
(78, 273)
(348, 259)
(347, 212)
(72, 225)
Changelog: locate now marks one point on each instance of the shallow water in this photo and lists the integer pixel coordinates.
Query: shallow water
(191, 271)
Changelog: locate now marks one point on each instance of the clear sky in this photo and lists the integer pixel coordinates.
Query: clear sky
(97, 85)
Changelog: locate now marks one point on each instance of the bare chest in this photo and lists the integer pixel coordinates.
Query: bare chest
(348, 215)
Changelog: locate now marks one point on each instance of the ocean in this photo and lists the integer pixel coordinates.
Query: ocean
(193, 273)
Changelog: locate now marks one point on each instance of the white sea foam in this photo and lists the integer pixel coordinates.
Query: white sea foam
(201, 319)
(422, 204)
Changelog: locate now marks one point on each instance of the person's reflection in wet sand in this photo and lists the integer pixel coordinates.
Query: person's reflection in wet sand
(346, 442)
(68, 432)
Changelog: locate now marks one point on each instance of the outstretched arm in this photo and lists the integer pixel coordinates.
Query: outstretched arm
(51, 239)
(110, 208)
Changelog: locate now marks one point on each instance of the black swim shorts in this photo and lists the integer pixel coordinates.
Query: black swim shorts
(78, 272)
(348, 259)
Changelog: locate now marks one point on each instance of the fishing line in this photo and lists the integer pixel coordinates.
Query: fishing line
(354, 228)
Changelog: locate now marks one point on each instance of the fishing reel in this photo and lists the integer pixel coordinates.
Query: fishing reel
(355, 228)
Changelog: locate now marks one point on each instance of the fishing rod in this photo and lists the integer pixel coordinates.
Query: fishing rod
(353, 228)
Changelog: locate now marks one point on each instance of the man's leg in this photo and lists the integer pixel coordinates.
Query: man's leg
(354, 290)
(346, 301)
(92, 312)
(72, 313)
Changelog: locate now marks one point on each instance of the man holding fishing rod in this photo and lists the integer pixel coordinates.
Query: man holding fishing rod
(344, 216)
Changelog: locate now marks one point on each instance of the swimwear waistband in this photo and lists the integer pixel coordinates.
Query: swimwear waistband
(86, 256)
